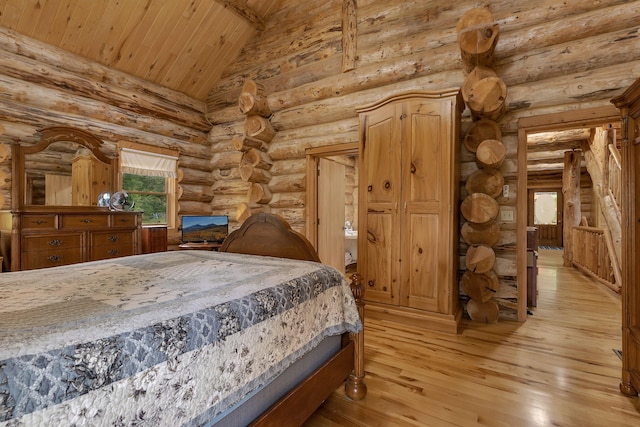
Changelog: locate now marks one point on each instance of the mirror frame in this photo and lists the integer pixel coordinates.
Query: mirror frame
(47, 137)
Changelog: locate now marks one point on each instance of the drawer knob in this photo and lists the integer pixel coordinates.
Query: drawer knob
(113, 239)
(38, 222)
(87, 220)
(54, 258)
(55, 242)
(114, 252)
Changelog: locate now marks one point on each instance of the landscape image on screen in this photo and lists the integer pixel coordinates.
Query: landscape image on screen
(211, 229)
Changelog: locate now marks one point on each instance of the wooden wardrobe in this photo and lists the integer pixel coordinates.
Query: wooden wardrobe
(408, 208)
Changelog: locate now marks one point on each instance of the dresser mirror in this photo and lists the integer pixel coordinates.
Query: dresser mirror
(65, 168)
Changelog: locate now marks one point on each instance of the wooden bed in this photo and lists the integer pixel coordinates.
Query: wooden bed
(270, 235)
(191, 338)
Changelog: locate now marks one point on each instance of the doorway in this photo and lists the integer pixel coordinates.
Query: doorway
(545, 209)
(529, 126)
(332, 200)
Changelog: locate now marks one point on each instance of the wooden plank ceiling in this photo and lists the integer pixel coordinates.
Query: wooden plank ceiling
(182, 44)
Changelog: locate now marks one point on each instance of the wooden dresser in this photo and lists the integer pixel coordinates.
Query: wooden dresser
(43, 237)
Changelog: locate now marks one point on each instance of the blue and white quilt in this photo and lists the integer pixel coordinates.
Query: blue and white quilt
(165, 339)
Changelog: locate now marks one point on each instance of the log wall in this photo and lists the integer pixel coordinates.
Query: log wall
(545, 63)
(43, 86)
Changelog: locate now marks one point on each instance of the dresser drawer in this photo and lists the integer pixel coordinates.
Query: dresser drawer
(110, 238)
(110, 244)
(38, 222)
(51, 258)
(51, 242)
(110, 251)
(124, 220)
(83, 221)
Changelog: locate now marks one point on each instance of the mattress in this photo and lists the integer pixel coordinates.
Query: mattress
(171, 338)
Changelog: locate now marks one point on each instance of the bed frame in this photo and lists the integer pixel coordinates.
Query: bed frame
(270, 235)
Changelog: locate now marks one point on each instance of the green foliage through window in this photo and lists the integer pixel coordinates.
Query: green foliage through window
(149, 193)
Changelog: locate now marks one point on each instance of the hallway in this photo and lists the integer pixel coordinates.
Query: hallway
(557, 369)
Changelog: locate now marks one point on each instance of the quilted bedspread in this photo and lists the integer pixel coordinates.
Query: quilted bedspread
(165, 339)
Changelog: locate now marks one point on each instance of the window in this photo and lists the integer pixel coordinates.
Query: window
(545, 208)
(148, 175)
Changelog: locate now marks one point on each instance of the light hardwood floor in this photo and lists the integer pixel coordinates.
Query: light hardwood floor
(556, 369)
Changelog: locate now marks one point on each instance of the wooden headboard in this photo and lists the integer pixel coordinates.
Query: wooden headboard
(269, 235)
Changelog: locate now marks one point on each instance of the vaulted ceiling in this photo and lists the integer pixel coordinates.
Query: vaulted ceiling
(182, 44)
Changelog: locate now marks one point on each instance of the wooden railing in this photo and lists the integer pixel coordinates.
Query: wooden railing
(613, 176)
(593, 254)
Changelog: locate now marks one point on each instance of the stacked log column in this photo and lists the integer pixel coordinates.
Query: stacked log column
(485, 95)
(5, 181)
(255, 163)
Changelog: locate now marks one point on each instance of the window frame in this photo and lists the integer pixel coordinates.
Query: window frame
(171, 184)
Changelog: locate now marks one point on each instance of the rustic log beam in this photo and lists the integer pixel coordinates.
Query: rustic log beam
(63, 103)
(478, 73)
(253, 99)
(479, 208)
(295, 148)
(491, 153)
(549, 44)
(480, 286)
(195, 193)
(242, 9)
(487, 98)
(186, 207)
(249, 173)
(289, 167)
(256, 158)
(287, 183)
(480, 258)
(488, 181)
(228, 201)
(487, 312)
(36, 62)
(607, 205)
(190, 176)
(487, 233)
(201, 164)
(259, 127)
(246, 143)
(245, 210)
(349, 34)
(230, 187)
(554, 145)
(259, 193)
(288, 200)
(477, 36)
(227, 160)
(479, 131)
(226, 131)
(251, 104)
(18, 116)
(572, 212)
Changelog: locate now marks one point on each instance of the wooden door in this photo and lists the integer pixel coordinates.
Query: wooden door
(427, 172)
(379, 222)
(545, 213)
(331, 198)
(629, 105)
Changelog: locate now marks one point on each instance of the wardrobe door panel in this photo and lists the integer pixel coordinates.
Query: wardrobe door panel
(422, 267)
(382, 156)
(380, 270)
(423, 155)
